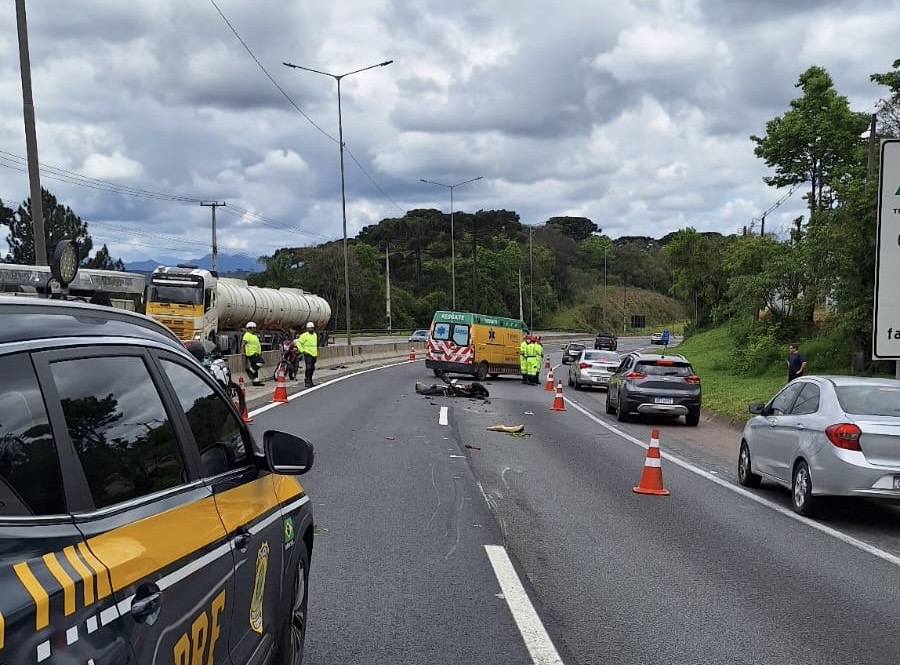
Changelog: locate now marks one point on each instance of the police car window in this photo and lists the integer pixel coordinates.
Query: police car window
(216, 429)
(30, 478)
(460, 334)
(118, 426)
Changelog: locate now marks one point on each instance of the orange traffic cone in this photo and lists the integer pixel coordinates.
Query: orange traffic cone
(558, 403)
(547, 363)
(651, 481)
(548, 385)
(280, 387)
(412, 353)
(245, 417)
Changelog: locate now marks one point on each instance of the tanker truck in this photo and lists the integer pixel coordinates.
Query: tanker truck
(198, 304)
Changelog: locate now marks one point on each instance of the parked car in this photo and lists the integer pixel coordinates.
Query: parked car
(593, 368)
(571, 351)
(659, 338)
(606, 340)
(127, 471)
(418, 336)
(825, 435)
(651, 384)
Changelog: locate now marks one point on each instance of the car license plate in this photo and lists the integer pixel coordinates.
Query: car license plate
(897, 482)
(664, 400)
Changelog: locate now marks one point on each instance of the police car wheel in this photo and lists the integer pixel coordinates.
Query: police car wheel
(293, 634)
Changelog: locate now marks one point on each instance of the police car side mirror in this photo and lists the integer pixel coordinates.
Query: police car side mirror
(287, 454)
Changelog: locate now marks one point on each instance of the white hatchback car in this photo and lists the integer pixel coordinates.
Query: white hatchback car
(593, 368)
(826, 435)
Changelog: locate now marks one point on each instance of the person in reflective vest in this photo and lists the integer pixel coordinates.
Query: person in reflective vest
(308, 346)
(533, 361)
(523, 358)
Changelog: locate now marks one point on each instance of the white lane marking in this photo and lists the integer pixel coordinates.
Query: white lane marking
(737, 489)
(442, 419)
(318, 386)
(535, 636)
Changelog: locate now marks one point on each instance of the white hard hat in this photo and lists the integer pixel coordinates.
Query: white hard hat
(310, 324)
(250, 324)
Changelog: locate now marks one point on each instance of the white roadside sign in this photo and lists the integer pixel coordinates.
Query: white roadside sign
(886, 329)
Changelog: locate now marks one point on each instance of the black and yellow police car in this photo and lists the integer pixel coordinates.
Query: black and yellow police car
(140, 522)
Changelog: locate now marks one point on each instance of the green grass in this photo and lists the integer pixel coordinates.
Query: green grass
(724, 391)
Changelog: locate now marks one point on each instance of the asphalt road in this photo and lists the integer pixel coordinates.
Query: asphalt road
(426, 529)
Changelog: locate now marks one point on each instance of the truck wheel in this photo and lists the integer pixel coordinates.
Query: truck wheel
(482, 371)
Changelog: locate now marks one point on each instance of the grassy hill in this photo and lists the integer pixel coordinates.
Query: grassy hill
(602, 309)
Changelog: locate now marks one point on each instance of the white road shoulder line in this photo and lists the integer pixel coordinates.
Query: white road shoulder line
(737, 489)
(535, 636)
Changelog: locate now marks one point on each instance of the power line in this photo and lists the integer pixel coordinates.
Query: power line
(299, 110)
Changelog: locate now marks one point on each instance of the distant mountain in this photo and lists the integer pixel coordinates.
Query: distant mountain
(227, 263)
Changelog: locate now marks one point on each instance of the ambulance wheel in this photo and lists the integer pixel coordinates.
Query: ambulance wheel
(482, 371)
(293, 633)
(437, 372)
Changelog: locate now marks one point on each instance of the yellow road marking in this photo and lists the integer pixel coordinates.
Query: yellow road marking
(2, 630)
(87, 577)
(41, 599)
(64, 580)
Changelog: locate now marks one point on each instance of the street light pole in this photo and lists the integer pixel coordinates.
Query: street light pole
(452, 245)
(337, 78)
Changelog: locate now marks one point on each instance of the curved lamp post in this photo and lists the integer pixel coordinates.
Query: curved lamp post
(452, 246)
(338, 77)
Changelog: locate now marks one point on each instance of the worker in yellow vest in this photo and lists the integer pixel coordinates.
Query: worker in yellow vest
(308, 346)
(523, 359)
(533, 360)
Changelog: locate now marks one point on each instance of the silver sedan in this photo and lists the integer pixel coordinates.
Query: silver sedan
(593, 368)
(825, 435)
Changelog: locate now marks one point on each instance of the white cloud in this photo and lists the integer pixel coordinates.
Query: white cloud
(636, 113)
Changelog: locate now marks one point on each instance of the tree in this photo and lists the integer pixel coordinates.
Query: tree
(815, 141)
(577, 228)
(60, 223)
(889, 109)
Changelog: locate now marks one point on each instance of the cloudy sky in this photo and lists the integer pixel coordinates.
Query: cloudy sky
(634, 113)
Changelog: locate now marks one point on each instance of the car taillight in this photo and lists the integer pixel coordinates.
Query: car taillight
(844, 435)
(635, 375)
(584, 365)
(693, 378)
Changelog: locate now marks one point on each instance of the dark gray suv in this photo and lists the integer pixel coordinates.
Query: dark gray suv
(651, 384)
(138, 514)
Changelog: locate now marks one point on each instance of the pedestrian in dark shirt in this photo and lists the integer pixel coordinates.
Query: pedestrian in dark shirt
(796, 362)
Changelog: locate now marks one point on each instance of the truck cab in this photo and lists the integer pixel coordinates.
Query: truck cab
(183, 298)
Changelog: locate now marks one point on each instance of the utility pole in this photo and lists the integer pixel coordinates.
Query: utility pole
(531, 280)
(762, 226)
(34, 176)
(474, 264)
(215, 249)
(387, 285)
(870, 166)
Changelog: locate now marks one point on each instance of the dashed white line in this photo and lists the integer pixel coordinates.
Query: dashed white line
(442, 418)
(535, 636)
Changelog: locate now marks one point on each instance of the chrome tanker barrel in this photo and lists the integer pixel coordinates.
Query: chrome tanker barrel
(319, 311)
(296, 310)
(235, 303)
(267, 307)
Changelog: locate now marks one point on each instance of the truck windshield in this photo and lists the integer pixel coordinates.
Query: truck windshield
(168, 294)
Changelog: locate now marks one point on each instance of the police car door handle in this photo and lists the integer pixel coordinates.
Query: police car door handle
(241, 538)
(145, 608)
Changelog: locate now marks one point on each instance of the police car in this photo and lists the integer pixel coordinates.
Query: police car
(140, 522)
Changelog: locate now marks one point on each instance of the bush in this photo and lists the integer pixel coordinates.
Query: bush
(757, 352)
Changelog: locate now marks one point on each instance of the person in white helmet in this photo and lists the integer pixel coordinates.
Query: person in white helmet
(251, 349)
(308, 346)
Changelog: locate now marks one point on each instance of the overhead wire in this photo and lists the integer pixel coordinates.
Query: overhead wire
(299, 110)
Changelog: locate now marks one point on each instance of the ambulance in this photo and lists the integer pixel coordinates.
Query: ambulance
(476, 344)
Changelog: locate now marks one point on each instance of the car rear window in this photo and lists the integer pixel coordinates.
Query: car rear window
(869, 400)
(654, 368)
(602, 356)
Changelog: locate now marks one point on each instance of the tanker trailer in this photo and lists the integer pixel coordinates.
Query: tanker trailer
(196, 304)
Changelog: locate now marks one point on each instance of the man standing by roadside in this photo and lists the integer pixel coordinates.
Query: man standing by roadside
(523, 358)
(251, 349)
(308, 346)
(796, 362)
